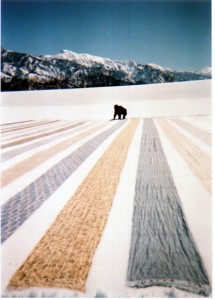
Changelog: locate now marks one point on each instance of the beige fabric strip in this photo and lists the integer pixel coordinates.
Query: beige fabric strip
(33, 131)
(35, 160)
(64, 255)
(204, 136)
(31, 138)
(27, 126)
(198, 161)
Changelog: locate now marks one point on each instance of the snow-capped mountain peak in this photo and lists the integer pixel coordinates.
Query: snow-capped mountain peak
(155, 66)
(206, 71)
(82, 58)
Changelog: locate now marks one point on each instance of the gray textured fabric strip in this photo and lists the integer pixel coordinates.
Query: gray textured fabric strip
(20, 207)
(162, 250)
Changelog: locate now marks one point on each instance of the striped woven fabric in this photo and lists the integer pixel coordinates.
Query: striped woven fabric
(60, 183)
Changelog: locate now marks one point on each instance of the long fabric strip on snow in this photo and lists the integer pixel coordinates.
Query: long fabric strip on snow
(64, 255)
(43, 141)
(162, 251)
(21, 206)
(204, 136)
(27, 126)
(198, 161)
(11, 123)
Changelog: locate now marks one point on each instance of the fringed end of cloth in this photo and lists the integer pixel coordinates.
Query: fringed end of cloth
(200, 289)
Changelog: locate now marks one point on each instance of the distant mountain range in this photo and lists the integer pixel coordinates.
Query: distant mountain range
(21, 71)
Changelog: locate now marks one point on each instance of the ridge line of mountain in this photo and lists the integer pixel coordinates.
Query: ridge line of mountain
(22, 71)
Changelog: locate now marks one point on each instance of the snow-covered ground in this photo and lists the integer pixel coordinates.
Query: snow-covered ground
(157, 100)
(189, 102)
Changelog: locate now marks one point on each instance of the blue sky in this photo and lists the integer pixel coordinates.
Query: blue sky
(171, 33)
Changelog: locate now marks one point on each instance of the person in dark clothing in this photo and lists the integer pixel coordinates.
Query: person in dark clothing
(119, 111)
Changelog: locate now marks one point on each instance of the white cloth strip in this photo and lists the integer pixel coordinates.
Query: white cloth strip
(28, 131)
(199, 122)
(45, 129)
(204, 147)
